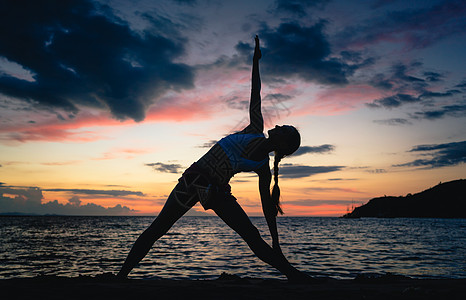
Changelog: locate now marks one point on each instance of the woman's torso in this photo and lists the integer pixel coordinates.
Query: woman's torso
(233, 154)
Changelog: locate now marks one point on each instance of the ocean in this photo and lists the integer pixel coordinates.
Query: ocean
(204, 247)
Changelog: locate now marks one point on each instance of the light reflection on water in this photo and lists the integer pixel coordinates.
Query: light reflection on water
(204, 247)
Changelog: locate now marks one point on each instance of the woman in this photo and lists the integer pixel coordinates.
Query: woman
(207, 181)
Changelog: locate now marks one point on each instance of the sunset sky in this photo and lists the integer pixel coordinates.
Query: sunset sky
(103, 104)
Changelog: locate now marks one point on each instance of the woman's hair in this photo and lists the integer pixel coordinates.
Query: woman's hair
(293, 140)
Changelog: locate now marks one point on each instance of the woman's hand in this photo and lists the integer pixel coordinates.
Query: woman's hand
(276, 247)
(257, 50)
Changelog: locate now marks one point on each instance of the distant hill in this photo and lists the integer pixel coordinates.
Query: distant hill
(17, 214)
(445, 200)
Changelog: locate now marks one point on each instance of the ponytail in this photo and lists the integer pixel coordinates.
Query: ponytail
(276, 188)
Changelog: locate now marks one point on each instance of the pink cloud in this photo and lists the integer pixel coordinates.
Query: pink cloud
(188, 111)
(333, 189)
(399, 27)
(50, 128)
(214, 87)
(126, 153)
(81, 128)
(201, 103)
(337, 101)
(62, 163)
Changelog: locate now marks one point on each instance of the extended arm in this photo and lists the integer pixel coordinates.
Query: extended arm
(255, 113)
(269, 209)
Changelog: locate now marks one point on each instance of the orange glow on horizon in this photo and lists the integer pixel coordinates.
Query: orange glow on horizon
(144, 206)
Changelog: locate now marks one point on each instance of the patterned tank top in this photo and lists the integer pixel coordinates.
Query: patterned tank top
(234, 146)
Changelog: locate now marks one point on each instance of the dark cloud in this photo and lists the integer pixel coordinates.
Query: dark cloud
(434, 147)
(28, 200)
(308, 202)
(439, 155)
(165, 168)
(272, 105)
(380, 3)
(166, 26)
(297, 171)
(379, 81)
(353, 56)
(209, 144)
(115, 193)
(326, 148)
(186, 2)
(235, 102)
(22, 200)
(462, 85)
(356, 59)
(377, 171)
(294, 50)
(298, 7)
(399, 78)
(448, 110)
(82, 55)
(433, 76)
(400, 99)
(393, 101)
(429, 95)
(413, 27)
(393, 122)
(417, 88)
(31, 194)
(75, 201)
(332, 189)
(277, 97)
(400, 72)
(90, 209)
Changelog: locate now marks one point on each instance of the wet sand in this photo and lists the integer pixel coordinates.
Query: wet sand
(231, 287)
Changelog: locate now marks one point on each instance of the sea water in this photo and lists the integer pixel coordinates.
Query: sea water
(204, 247)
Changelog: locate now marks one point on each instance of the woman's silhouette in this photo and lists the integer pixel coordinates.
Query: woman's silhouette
(207, 180)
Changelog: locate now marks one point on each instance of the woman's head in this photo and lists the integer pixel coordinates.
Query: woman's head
(286, 140)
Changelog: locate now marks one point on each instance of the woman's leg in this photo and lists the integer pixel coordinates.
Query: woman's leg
(171, 212)
(235, 217)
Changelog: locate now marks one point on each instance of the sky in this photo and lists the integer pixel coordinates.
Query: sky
(103, 104)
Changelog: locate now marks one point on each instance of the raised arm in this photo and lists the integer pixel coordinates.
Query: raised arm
(255, 112)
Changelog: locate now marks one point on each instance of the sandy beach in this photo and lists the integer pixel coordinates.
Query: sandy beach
(232, 287)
